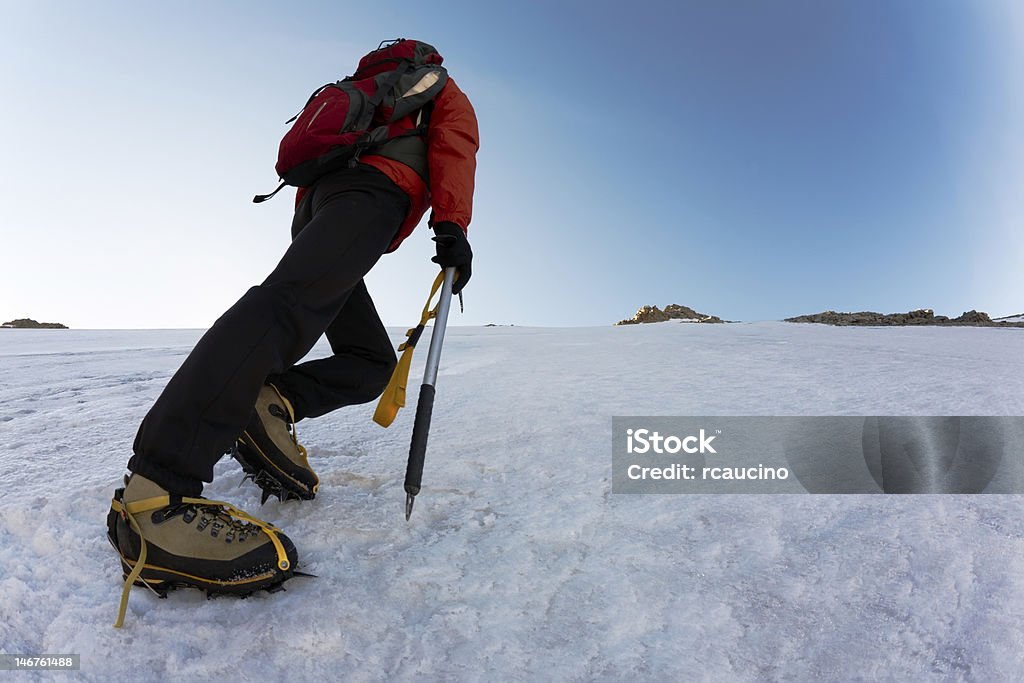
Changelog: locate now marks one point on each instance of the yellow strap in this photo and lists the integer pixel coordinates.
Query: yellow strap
(157, 502)
(147, 504)
(393, 397)
(136, 570)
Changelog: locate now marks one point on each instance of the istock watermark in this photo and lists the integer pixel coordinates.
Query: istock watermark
(645, 440)
(826, 454)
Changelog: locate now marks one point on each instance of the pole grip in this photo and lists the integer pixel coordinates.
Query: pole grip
(418, 446)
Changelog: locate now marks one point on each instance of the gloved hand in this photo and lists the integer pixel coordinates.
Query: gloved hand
(453, 250)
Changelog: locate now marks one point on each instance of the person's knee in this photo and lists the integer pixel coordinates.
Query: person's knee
(385, 368)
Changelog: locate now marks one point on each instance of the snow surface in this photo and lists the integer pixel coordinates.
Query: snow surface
(1011, 319)
(518, 563)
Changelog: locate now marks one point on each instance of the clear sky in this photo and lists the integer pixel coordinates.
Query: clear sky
(749, 159)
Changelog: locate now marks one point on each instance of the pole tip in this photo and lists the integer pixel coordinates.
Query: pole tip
(409, 498)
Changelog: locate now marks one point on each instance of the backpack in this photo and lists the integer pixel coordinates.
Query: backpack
(341, 120)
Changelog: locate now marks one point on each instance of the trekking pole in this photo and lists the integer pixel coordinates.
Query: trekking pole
(425, 405)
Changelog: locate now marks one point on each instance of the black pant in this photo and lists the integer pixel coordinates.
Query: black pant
(342, 227)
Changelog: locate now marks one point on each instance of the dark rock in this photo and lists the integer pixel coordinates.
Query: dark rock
(675, 311)
(973, 316)
(921, 316)
(29, 324)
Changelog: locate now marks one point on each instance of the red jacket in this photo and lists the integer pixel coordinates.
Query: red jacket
(452, 142)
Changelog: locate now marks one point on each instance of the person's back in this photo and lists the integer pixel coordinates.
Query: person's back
(241, 389)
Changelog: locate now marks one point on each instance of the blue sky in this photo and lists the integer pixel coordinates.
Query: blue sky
(749, 159)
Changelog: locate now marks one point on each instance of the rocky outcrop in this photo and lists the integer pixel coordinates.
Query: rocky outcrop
(677, 312)
(646, 314)
(653, 314)
(29, 324)
(922, 316)
(973, 317)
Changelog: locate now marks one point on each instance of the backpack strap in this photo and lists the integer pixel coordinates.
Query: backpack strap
(260, 198)
(386, 87)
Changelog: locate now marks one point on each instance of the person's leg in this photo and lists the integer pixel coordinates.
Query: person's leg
(269, 449)
(209, 400)
(360, 368)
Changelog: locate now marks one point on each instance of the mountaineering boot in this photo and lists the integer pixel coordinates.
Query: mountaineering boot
(166, 541)
(270, 453)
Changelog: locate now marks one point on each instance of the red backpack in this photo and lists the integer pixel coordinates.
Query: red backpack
(342, 120)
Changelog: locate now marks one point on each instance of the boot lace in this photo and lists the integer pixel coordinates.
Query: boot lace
(217, 519)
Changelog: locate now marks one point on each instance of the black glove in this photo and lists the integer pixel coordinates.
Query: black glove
(453, 250)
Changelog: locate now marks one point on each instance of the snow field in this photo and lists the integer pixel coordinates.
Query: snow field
(518, 562)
